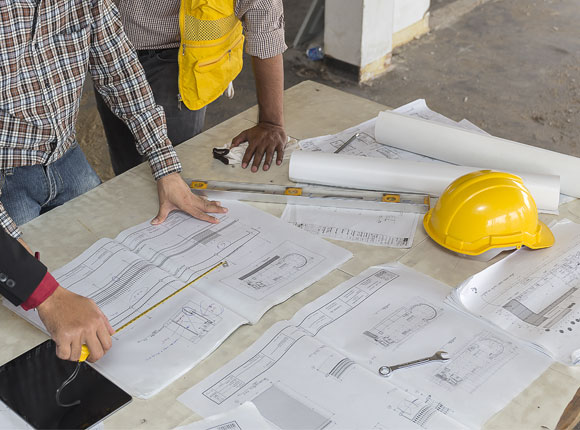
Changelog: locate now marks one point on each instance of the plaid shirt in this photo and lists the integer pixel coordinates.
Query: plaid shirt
(46, 47)
(154, 24)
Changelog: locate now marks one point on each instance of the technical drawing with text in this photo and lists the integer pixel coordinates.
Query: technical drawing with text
(273, 270)
(401, 324)
(474, 364)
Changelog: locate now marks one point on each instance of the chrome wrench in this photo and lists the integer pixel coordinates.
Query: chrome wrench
(438, 356)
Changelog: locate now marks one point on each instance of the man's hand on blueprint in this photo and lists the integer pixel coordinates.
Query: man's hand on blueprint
(74, 321)
(174, 194)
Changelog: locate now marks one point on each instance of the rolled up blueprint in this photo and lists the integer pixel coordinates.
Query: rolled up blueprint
(473, 149)
(383, 174)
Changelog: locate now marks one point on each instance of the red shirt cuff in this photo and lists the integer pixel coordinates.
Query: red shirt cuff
(42, 292)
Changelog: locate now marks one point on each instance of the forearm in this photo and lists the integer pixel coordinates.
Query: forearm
(119, 78)
(269, 76)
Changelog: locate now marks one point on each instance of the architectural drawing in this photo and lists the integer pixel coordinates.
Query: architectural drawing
(544, 297)
(377, 228)
(397, 327)
(274, 270)
(185, 248)
(193, 322)
(474, 364)
(145, 264)
(290, 411)
(546, 317)
(420, 410)
(319, 362)
(329, 363)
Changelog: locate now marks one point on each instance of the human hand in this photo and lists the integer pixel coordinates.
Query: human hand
(174, 194)
(263, 139)
(74, 321)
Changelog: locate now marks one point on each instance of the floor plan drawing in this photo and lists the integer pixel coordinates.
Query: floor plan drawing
(420, 411)
(192, 322)
(144, 265)
(319, 360)
(187, 249)
(534, 296)
(474, 364)
(273, 270)
(401, 324)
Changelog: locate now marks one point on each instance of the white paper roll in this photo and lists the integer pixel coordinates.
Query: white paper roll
(383, 174)
(473, 149)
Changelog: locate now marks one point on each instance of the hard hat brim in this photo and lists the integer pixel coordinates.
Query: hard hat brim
(544, 237)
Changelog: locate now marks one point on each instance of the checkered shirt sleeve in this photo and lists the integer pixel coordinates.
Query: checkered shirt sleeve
(8, 224)
(263, 22)
(119, 78)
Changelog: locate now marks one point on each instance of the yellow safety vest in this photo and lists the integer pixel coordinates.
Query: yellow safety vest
(211, 50)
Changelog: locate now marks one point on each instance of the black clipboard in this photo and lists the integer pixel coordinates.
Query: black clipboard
(28, 385)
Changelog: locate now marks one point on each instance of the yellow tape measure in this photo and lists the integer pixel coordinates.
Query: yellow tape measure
(85, 350)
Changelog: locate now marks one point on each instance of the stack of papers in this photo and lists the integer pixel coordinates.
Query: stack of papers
(267, 262)
(320, 369)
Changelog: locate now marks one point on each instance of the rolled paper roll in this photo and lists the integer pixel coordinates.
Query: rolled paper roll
(383, 174)
(468, 148)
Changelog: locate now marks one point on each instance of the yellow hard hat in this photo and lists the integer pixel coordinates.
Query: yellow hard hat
(484, 210)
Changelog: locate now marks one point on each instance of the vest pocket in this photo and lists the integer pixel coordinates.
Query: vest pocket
(206, 71)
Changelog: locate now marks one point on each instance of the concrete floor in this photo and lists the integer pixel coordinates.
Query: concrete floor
(510, 66)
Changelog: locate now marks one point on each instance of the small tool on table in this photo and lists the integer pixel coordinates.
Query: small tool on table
(438, 356)
(348, 142)
(220, 154)
(85, 350)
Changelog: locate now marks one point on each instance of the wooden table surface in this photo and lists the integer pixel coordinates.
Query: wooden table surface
(311, 109)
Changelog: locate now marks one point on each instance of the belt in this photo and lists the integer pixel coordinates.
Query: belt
(152, 52)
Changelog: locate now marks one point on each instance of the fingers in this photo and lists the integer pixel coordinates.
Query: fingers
(94, 344)
(63, 350)
(269, 156)
(108, 325)
(247, 156)
(258, 154)
(164, 211)
(200, 213)
(75, 350)
(239, 139)
(263, 140)
(279, 154)
(73, 321)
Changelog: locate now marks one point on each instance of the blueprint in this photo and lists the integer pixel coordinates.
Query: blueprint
(534, 295)
(323, 364)
(366, 145)
(267, 262)
(244, 417)
(378, 228)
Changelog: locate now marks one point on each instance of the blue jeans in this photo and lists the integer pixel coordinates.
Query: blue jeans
(161, 70)
(29, 191)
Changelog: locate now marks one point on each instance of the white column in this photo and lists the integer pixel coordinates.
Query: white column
(411, 19)
(360, 33)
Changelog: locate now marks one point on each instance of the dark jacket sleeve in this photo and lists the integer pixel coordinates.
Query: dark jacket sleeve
(20, 272)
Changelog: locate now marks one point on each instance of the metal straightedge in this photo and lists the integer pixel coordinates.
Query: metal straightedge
(312, 195)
